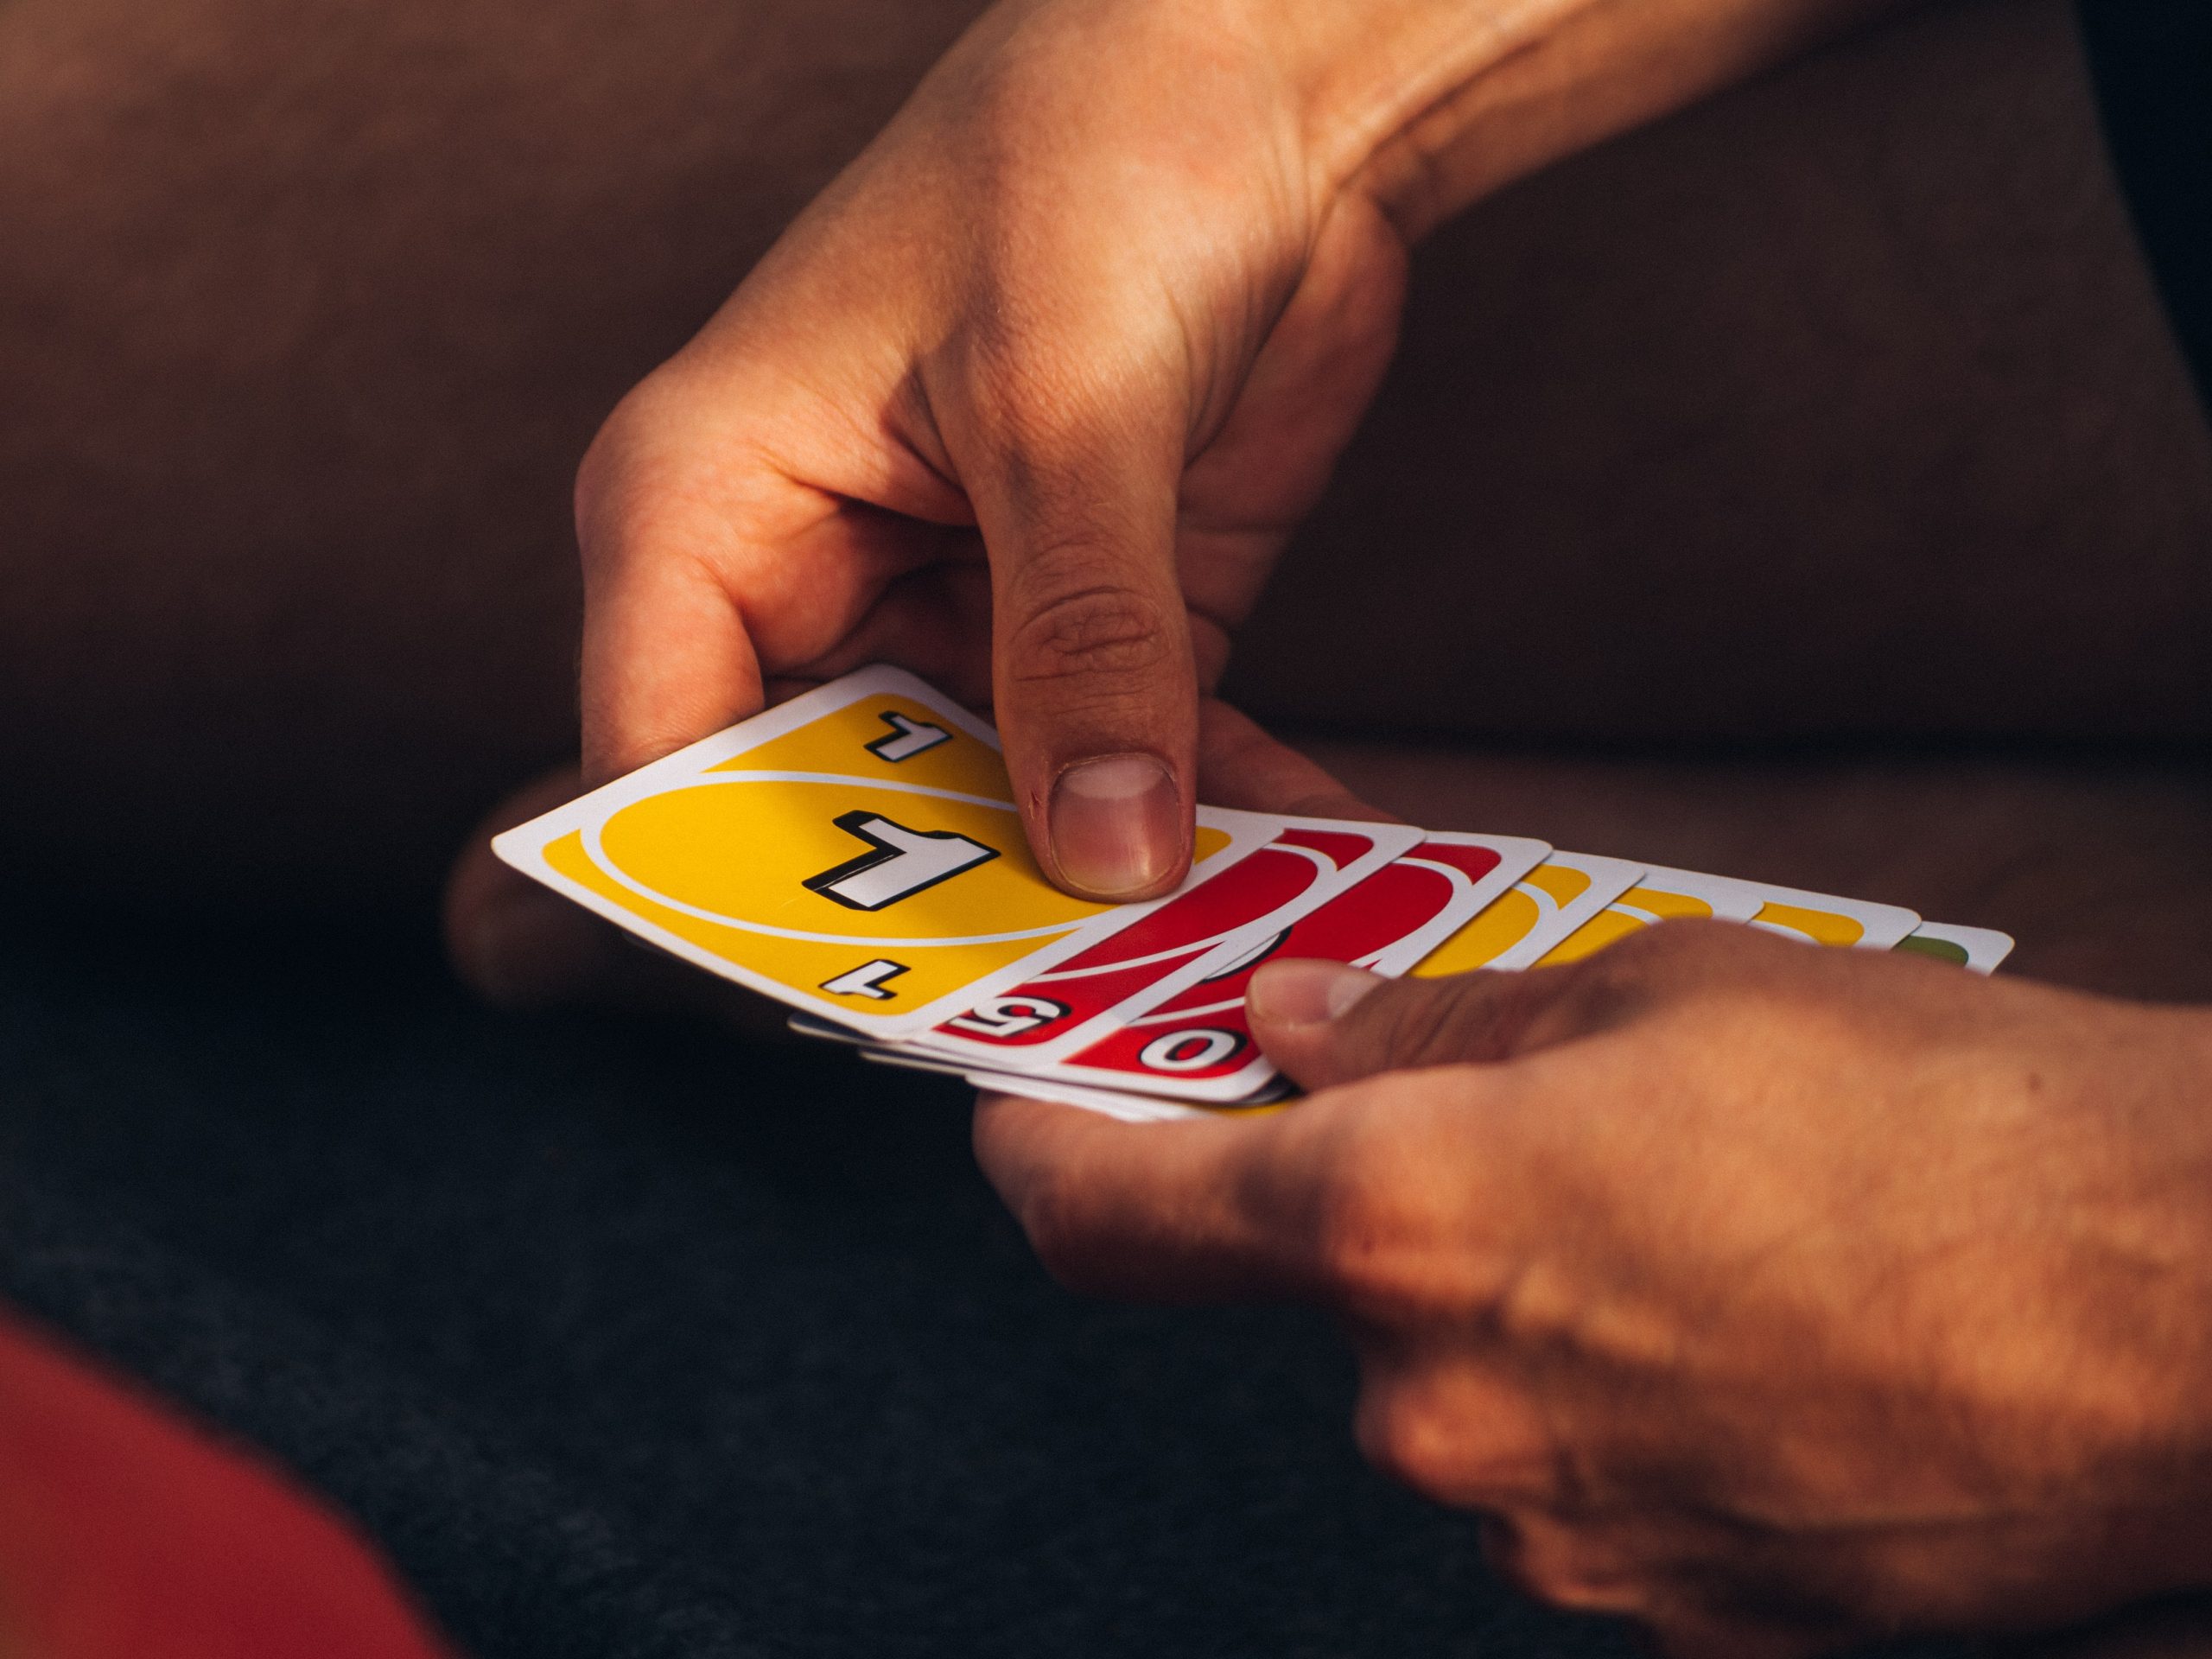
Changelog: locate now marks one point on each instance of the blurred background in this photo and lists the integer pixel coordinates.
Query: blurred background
(1817, 461)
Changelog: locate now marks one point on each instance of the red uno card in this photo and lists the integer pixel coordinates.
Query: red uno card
(1191, 1039)
(1309, 863)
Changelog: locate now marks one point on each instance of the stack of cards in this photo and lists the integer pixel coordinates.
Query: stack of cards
(856, 853)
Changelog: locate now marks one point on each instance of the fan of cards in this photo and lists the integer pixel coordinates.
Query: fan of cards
(856, 854)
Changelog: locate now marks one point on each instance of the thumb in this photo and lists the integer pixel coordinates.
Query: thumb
(1324, 1023)
(1094, 686)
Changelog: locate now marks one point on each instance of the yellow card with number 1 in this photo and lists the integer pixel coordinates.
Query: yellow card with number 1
(855, 852)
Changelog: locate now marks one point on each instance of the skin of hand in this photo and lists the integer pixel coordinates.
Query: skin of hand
(1774, 1297)
(1029, 400)
(1084, 305)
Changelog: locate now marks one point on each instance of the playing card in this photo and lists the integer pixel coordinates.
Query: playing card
(1192, 1041)
(855, 852)
(1978, 950)
(1310, 862)
(1662, 894)
(1129, 1108)
(828, 1031)
(1546, 906)
(1132, 1108)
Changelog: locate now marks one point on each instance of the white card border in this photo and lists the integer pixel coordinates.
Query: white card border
(1608, 878)
(1986, 947)
(1391, 842)
(1883, 925)
(522, 849)
(1517, 855)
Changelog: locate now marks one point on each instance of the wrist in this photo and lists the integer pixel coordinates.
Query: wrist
(2154, 1224)
(1383, 87)
(1426, 105)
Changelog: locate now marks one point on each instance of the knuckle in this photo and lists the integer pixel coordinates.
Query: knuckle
(1390, 1240)
(1037, 404)
(1076, 630)
(1406, 1442)
(1455, 1443)
(1425, 1024)
(1377, 1245)
(1347, 1212)
(1473, 1017)
(1676, 940)
(1720, 970)
(1553, 1562)
(598, 486)
(1596, 993)
(633, 429)
(1535, 1309)
(637, 469)
(1688, 950)
(669, 471)
(1027, 392)
(1460, 1431)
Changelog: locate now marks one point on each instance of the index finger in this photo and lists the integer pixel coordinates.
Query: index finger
(710, 564)
(1241, 766)
(667, 657)
(1185, 1212)
(1074, 480)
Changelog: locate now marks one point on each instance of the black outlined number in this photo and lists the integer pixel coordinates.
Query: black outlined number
(1008, 1016)
(907, 738)
(866, 980)
(1196, 1049)
(898, 863)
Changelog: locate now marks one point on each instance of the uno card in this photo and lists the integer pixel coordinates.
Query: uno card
(1133, 1108)
(1663, 894)
(1546, 906)
(855, 852)
(1977, 949)
(1130, 1108)
(1192, 1041)
(828, 1031)
(1308, 864)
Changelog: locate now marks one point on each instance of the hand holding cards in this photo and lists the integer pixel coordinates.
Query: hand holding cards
(856, 853)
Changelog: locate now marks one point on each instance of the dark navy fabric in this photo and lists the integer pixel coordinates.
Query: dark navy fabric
(2152, 61)
(628, 1341)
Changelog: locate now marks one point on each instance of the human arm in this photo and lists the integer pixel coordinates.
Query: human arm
(1032, 397)
(1776, 1297)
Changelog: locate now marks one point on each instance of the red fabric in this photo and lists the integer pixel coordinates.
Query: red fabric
(126, 1532)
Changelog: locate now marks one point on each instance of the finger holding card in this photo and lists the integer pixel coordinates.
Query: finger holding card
(1547, 904)
(1310, 864)
(855, 851)
(1193, 1042)
(857, 855)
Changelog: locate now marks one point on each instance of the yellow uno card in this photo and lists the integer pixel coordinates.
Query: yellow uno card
(855, 852)
(1663, 894)
(1546, 906)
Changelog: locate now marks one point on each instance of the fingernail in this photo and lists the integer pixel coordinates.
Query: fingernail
(1116, 825)
(1307, 993)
